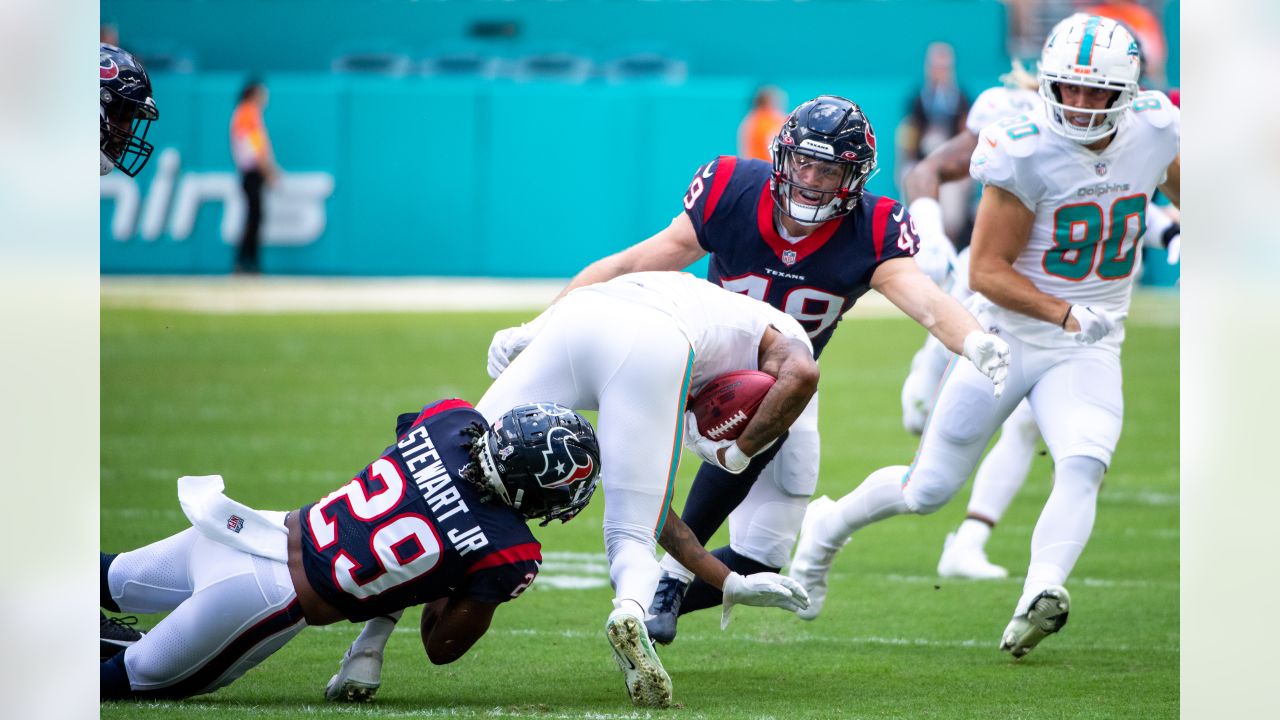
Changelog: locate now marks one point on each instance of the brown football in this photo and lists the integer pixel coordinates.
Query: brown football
(728, 402)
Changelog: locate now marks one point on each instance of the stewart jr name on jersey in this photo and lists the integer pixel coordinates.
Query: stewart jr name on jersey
(409, 529)
(1090, 209)
(816, 279)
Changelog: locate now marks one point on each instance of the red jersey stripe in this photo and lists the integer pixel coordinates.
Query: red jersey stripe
(880, 223)
(724, 171)
(443, 405)
(508, 556)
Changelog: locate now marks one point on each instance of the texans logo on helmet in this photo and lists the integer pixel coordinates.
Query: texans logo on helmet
(871, 136)
(107, 68)
(560, 467)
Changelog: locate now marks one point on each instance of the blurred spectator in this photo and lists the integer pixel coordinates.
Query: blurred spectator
(251, 149)
(108, 33)
(762, 123)
(937, 112)
(1146, 27)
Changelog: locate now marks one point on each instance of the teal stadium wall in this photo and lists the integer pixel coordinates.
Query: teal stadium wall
(487, 177)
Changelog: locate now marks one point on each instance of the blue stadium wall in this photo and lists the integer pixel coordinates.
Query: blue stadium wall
(476, 177)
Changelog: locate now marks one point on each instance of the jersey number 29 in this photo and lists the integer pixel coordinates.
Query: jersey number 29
(388, 541)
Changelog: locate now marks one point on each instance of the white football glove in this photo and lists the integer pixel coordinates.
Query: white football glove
(763, 589)
(1174, 249)
(509, 343)
(990, 355)
(735, 461)
(1095, 323)
(937, 255)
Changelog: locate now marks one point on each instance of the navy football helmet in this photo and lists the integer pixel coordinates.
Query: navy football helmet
(832, 134)
(541, 459)
(125, 111)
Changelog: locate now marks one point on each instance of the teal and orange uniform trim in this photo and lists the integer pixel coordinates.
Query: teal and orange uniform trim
(676, 442)
(1087, 42)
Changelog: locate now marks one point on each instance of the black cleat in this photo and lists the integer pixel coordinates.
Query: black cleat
(116, 634)
(665, 609)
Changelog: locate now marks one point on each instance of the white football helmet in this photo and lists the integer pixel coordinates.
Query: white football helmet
(1092, 51)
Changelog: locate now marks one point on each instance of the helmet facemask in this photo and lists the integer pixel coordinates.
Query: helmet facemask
(1092, 52)
(123, 126)
(822, 158)
(809, 204)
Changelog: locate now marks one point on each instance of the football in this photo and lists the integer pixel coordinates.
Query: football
(728, 402)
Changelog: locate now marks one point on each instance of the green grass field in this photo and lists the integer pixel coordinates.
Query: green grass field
(287, 408)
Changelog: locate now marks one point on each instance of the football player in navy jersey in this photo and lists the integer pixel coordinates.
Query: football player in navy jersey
(802, 235)
(439, 518)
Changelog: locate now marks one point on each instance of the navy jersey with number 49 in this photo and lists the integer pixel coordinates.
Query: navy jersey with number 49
(814, 280)
(408, 529)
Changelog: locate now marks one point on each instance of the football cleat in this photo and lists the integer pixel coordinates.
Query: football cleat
(647, 681)
(665, 610)
(115, 634)
(358, 679)
(1046, 616)
(812, 561)
(958, 561)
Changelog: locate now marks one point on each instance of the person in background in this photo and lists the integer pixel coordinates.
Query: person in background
(937, 112)
(762, 123)
(251, 150)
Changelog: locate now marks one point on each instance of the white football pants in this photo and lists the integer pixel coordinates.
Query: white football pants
(1075, 396)
(633, 364)
(231, 610)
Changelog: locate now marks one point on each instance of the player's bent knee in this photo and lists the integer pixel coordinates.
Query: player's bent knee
(1086, 469)
(926, 493)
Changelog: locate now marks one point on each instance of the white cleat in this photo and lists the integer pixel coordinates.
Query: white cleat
(647, 681)
(1047, 615)
(812, 561)
(967, 562)
(358, 679)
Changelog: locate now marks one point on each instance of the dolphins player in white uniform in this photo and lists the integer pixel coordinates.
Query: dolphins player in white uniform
(1054, 256)
(1005, 468)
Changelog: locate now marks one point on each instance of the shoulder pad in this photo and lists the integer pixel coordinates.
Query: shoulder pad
(1155, 107)
(1016, 137)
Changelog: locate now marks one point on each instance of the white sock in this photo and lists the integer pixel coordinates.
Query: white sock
(972, 535)
(1064, 526)
(671, 566)
(377, 631)
(878, 497)
(629, 606)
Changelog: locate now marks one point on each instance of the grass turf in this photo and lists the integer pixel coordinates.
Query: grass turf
(287, 408)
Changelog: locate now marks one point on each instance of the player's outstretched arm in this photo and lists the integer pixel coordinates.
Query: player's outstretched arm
(762, 589)
(450, 626)
(674, 247)
(904, 285)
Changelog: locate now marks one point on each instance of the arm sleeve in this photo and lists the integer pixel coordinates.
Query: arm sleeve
(703, 196)
(500, 583)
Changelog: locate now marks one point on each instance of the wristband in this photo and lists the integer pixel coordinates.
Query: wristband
(1066, 317)
(735, 461)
